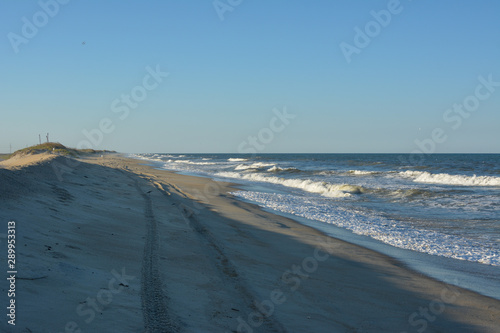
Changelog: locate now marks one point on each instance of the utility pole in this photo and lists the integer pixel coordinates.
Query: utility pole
(47, 137)
(40, 138)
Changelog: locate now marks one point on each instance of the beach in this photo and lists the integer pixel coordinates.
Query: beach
(108, 244)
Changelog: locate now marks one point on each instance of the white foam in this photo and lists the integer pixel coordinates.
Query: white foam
(279, 169)
(191, 162)
(327, 173)
(237, 159)
(323, 188)
(257, 165)
(362, 172)
(447, 179)
(147, 158)
(391, 232)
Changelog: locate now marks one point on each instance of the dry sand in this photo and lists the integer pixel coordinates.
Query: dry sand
(111, 245)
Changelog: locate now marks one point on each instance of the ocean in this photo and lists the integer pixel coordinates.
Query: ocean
(438, 213)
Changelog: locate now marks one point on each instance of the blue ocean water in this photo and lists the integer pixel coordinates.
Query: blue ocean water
(444, 205)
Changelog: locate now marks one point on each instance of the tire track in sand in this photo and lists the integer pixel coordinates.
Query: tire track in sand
(154, 302)
(229, 272)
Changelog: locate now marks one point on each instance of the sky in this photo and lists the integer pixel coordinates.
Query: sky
(233, 76)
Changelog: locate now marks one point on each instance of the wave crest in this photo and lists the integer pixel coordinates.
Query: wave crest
(233, 159)
(279, 169)
(447, 179)
(362, 172)
(191, 162)
(323, 188)
(254, 166)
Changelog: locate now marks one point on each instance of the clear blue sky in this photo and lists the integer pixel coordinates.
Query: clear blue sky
(226, 76)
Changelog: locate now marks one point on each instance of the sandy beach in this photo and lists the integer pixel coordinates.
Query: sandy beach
(108, 244)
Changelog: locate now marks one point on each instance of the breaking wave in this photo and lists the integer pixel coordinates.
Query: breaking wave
(254, 166)
(447, 179)
(362, 172)
(323, 188)
(191, 162)
(237, 159)
(279, 169)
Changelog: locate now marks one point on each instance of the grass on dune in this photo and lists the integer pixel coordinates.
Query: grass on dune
(56, 148)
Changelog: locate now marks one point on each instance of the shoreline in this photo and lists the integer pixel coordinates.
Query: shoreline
(216, 263)
(460, 273)
(477, 277)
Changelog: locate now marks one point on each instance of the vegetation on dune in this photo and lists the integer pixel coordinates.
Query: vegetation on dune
(56, 148)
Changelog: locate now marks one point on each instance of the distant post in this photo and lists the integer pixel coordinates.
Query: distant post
(39, 138)
(47, 137)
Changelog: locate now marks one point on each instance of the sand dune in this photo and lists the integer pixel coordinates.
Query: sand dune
(110, 245)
